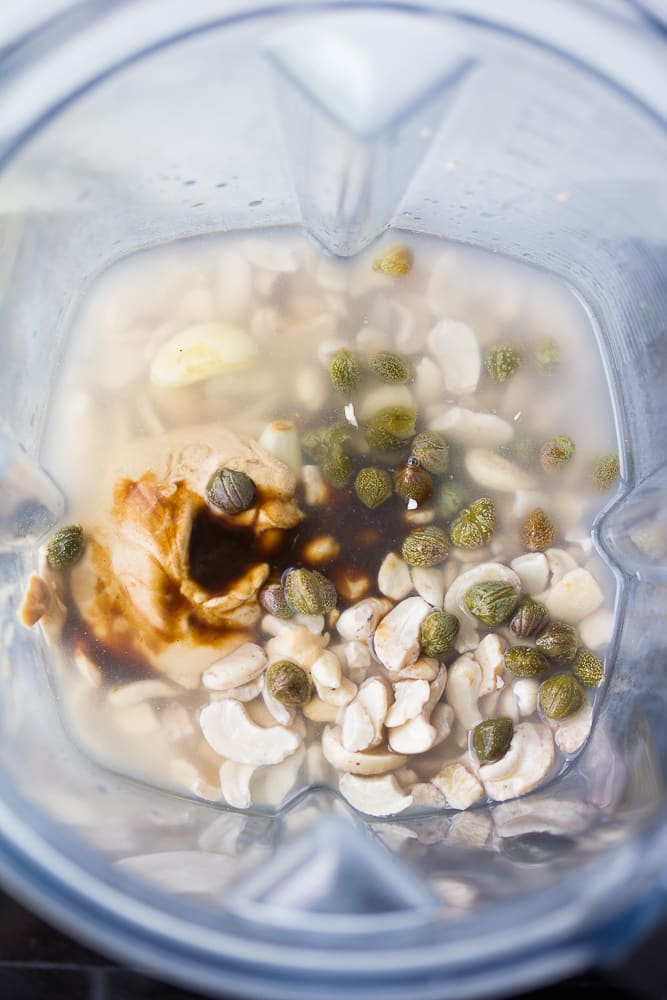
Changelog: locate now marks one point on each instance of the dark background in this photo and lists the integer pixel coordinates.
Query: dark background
(39, 963)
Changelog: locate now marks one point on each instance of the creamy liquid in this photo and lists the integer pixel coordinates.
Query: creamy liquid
(300, 306)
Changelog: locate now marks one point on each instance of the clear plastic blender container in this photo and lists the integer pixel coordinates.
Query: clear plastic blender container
(554, 117)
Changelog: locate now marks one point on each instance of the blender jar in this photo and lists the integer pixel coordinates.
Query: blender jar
(537, 132)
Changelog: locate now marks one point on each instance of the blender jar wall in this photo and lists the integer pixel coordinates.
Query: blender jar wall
(536, 159)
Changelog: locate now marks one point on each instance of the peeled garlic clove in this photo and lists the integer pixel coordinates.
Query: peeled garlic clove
(199, 352)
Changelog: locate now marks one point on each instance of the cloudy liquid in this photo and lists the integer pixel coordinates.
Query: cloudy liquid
(299, 307)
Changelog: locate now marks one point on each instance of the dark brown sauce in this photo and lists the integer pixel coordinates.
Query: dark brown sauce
(220, 552)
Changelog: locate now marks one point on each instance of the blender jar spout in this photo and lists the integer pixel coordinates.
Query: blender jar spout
(30, 503)
(633, 534)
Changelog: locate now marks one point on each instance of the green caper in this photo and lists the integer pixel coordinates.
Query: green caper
(450, 500)
(559, 642)
(438, 632)
(588, 668)
(391, 428)
(491, 739)
(411, 482)
(372, 486)
(538, 531)
(605, 471)
(475, 524)
(309, 592)
(390, 368)
(319, 442)
(345, 372)
(526, 661)
(493, 602)
(288, 683)
(556, 452)
(529, 618)
(546, 355)
(395, 260)
(425, 546)
(337, 468)
(272, 599)
(525, 449)
(65, 547)
(431, 451)
(560, 695)
(231, 491)
(502, 362)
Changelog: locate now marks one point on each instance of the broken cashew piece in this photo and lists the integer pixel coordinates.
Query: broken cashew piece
(398, 636)
(374, 796)
(364, 717)
(463, 682)
(360, 621)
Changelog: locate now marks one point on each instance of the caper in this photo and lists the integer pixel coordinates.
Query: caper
(546, 355)
(538, 531)
(556, 452)
(438, 632)
(65, 547)
(605, 470)
(502, 362)
(394, 260)
(309, 592)
(559, 642)
(525, 449)
(450, 500)
(411, 482)
(272, 599)
(391, 428)
(493, 602)
(389, 367)
(431, 451)
(425, 546)
(231, 491)
(372, 486)
(475, 524)
(560, 695)
(288, 683)
(319, 442)
(345, 372)
(491, 739)
(337, 468)
(529, 618)
(588, 668)
(526, 661)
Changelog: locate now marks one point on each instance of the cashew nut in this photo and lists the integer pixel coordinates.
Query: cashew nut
(235, 783)
(494, 472)
(572, 732)
(415, 736)
(470, 427)
(378, 761)
(374, 796)
(409, 700)
(423, 669)
(397, 637)
(429, 582)
(394, 578)
(455, 348)
(459, 787)
(463, 682)
(526, 763)
(360, 621)
(364, 717)
(574, 597)
(533, 571)
(229, 730)
(237, 668)
(489, 655)
(526, 691)
(560, 562)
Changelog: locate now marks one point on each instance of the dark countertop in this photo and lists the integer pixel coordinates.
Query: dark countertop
(39, 963)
